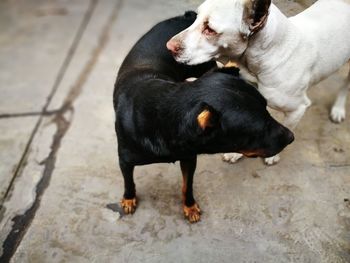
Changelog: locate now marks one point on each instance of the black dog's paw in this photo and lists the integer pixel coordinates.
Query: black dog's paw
(128, 205)
(192, 213)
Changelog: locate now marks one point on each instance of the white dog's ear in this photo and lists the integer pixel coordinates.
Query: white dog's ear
(255, 14)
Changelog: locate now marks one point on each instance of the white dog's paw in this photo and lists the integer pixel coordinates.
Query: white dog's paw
(272, 160)
(337, 114)
(231, 157)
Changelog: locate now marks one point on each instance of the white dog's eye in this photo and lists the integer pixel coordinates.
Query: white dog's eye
(208, 30)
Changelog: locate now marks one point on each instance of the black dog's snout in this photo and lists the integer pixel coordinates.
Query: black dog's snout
(278, 138)
(281, 135)
(285, 135)
(290, 137)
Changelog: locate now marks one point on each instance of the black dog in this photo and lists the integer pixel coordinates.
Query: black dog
(161, 118)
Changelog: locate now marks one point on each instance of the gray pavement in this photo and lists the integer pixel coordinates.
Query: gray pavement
(58, 161)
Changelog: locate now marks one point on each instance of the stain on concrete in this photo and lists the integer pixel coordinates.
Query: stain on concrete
(51, 11)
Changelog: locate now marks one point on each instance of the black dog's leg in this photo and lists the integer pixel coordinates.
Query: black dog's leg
(128, 202)
(190, 207)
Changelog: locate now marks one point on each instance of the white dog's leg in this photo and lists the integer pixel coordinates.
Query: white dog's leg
(272, 160)
(231, 157)
(338, 109)
(291, 120)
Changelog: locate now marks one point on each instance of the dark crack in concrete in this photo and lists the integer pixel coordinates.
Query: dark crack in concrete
(63, 120)
(28, 114)
(57, 82)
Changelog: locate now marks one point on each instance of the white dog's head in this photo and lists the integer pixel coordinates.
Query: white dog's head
(221, 30)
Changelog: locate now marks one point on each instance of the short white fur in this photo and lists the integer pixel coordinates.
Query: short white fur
(284, 59)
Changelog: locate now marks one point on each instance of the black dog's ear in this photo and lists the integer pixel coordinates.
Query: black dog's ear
(208, 117)
(256, 13)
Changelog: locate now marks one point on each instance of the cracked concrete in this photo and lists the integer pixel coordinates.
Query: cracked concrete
(58, 161)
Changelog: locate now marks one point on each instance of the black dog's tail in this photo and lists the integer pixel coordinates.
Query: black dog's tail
(191, 14)
(233, 71)
(230, 70)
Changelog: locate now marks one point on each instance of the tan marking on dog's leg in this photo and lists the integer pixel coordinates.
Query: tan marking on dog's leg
(128, 205)
(192, 213)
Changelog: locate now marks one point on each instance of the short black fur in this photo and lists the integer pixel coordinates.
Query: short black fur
(157, 110)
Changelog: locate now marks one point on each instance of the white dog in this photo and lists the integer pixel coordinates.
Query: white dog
(283, 56)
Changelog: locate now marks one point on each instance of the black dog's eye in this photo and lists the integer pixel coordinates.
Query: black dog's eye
(208, 30)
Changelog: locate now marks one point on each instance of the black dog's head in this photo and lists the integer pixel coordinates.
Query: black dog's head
(231, 116)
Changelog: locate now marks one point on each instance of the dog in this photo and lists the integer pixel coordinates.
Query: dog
(162, 118)
(283, 56)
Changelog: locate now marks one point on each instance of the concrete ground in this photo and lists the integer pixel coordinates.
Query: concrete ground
(58, 161)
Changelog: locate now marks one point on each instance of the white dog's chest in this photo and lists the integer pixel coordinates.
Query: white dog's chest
(247, 76)
(313, 49)
(282, 91)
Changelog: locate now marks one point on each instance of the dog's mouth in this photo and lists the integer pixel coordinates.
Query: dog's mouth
(179, 58)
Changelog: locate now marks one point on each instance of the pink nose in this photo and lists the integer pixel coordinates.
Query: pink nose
(173, 46)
